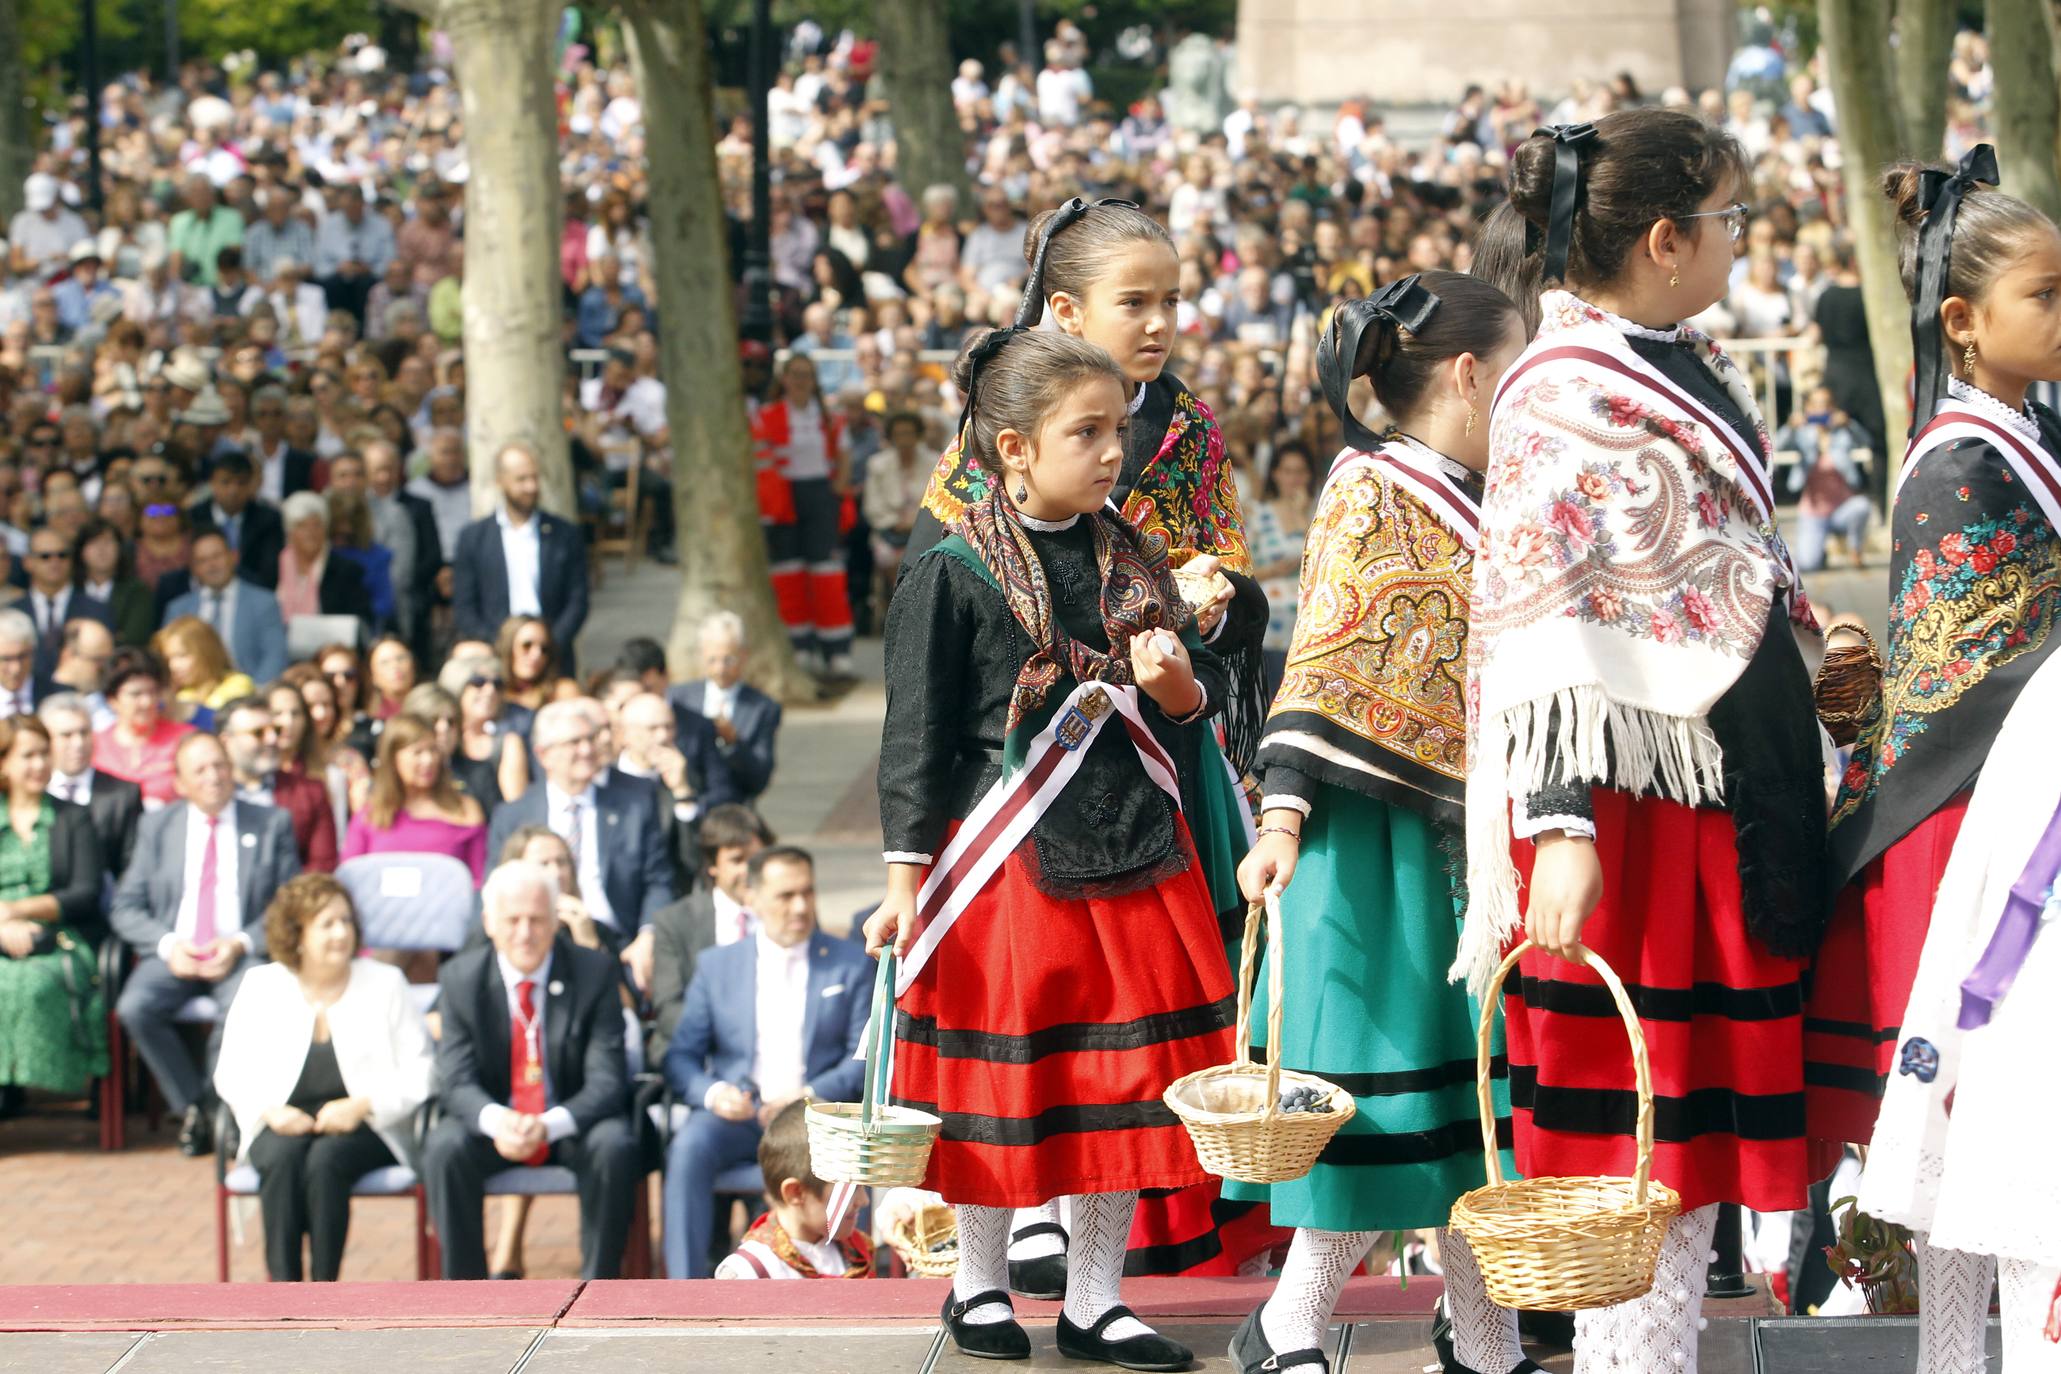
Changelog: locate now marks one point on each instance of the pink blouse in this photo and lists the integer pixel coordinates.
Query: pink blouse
(300, 593)
(418, 835)
(148, 765)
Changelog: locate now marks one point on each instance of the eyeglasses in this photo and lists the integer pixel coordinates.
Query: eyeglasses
(51, 555)
(342, 675)
(1734, 216)
(472, 683)
(149, 479)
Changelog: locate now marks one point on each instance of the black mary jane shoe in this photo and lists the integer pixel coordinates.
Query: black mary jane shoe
(1151, 1352)
(1442, 1344)
(1249, 1349)
(1042, 1279)
(987, 1340)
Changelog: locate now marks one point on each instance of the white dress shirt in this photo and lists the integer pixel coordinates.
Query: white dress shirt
(21, 702)
(228, 904)
(558, 1122)
(686, 812)
(78, 788)
(733, 920)
(101, 591)
(807, 457)
(779, 1065)
(522, 549)
(719, 703)
(592, 891)
(272, 473)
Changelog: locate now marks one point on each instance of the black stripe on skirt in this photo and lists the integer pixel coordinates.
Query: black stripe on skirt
(1452, 1074)
(1662, 1004)
(1076, 1037)
(1614, 1111)
(1856, 1030)
(974, 1129)
(1387, 1149)
(1844, 1076)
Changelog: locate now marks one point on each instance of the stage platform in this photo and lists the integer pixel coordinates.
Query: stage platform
(624, 1327)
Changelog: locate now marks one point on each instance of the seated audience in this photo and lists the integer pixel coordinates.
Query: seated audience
(1826, 480)
(198, 665)
(252, 527)
(244, 614)
(251, 735)
(690, 764)
(524, 1082)
(107, 574)
(325, 1061)
(140, 744)
(529, 667)
(713, 914)
(82, 667)
(792, 1240)
(345, 673)
(53, 601)
(746, 720)
(341, 767)
(767, 1021)
(415, 805)
(614, 829)
(53, 1022)
(493, 768)
(164, 546)
(351, 539)
(18, 663)
(116, 805)
(310, 581)
(189, 907)
(390, 663)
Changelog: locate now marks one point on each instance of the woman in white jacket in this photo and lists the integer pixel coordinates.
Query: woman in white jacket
(324, 1060)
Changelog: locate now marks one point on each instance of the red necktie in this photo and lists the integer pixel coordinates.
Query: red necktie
(525, 1069)
(204, 900)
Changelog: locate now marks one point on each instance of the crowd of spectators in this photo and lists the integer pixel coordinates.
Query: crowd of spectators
(251, 629)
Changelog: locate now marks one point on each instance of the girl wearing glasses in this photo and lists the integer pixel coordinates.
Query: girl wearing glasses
(1108, 274)
(1643, 750)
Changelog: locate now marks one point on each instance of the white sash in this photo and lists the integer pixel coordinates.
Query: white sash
(2030, 462)
(1013, 805)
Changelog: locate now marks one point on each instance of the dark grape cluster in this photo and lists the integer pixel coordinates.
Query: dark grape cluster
(1304, 1097)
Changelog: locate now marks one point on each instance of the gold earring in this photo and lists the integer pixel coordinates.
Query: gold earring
(1968, 358)
(1472, 416)
(1674, 279)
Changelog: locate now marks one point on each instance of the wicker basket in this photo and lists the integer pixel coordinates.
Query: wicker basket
(1233, 1111)
(1561, 1244)
(927, 1239)
(869, 1142)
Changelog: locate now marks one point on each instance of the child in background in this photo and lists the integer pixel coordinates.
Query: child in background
(793, 1240)
(1826, 480)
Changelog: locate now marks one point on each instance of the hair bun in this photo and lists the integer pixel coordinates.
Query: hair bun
(1903, 183)
(1035, 233)
(1531, 178)
(962, 366)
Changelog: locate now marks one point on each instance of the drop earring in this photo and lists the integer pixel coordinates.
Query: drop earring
(1473, 415)
(1674, 279)
(1022, 492)
(1968, 358)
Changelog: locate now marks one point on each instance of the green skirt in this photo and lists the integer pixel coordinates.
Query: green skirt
(53, 1019)
(1370, 927)
(1219, 829)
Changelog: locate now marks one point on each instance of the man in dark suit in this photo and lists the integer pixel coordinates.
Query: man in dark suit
(53, 601)
(21, 685)
(253, 527)
(429, 575)
(614, 829)
(115, 804)
(243, 614)
(746, 720)
(714, 914)
(520, 561)
(689, 774)
(192, 906)
(246, 729)
(282, 469)
(767, 1020)
(530, 1070)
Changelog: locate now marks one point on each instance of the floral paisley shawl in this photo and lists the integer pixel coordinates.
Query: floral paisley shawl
(1184, 501)
(1975, 587)
(1374, 697)
(1627, 570)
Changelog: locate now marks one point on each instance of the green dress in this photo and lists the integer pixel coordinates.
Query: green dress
(53, 1017)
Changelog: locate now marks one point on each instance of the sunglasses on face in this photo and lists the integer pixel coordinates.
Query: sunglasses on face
(473, 683)
(342, 675)
(51, 555)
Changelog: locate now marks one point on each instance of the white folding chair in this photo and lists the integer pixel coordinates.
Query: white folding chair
(411, 902)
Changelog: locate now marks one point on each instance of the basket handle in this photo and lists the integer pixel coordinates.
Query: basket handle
(1248, 952)
(879, 1037)
(1642, 1067)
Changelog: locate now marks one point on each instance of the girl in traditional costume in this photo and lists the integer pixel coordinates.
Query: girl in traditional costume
(1643, 751)
(1963, 1149)
(1365, 767)
(1062, 962)
(1975, 586)
(1108, 273)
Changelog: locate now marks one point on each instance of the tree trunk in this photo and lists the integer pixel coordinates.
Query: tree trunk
(1855, 36)
(514, 303)
(1924, 43)
(715, 500)
(14, 111)
(916, 65)
(2027, 108)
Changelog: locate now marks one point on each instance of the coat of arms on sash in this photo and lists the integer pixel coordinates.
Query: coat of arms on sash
(1080, 718)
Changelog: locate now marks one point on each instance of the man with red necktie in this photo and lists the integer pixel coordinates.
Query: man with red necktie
(530, 1070)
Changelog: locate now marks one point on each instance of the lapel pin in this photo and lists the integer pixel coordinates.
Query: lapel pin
(611, 818)
(556, 989)
(250, 841)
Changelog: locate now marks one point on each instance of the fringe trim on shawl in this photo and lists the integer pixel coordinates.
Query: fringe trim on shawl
(1575, 735)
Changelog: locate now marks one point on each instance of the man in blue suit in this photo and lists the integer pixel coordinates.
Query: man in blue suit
(521, 560)
(745, 720)
(244, 614)
(614, 829)
(768, 1019)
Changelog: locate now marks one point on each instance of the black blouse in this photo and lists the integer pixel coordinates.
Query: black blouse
(321, 1079)
(953, 652)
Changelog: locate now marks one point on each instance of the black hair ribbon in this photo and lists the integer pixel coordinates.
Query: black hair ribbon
(1032, 307)
(1940, 194)
(1404, 303)
(1567, 181)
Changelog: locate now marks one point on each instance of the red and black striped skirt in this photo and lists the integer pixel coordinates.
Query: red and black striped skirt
(1045, 1030)
(1861, 980)
(1723, 1019)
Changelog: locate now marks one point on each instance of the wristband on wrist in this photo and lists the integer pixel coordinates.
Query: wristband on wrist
(1295, 835)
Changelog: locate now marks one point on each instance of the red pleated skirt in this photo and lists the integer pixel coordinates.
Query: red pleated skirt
(1045, 1031)
(1723, 1019)
(1199, 1232)
(1861, 980)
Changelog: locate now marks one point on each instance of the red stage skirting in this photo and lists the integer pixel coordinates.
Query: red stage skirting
(611, 1303)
